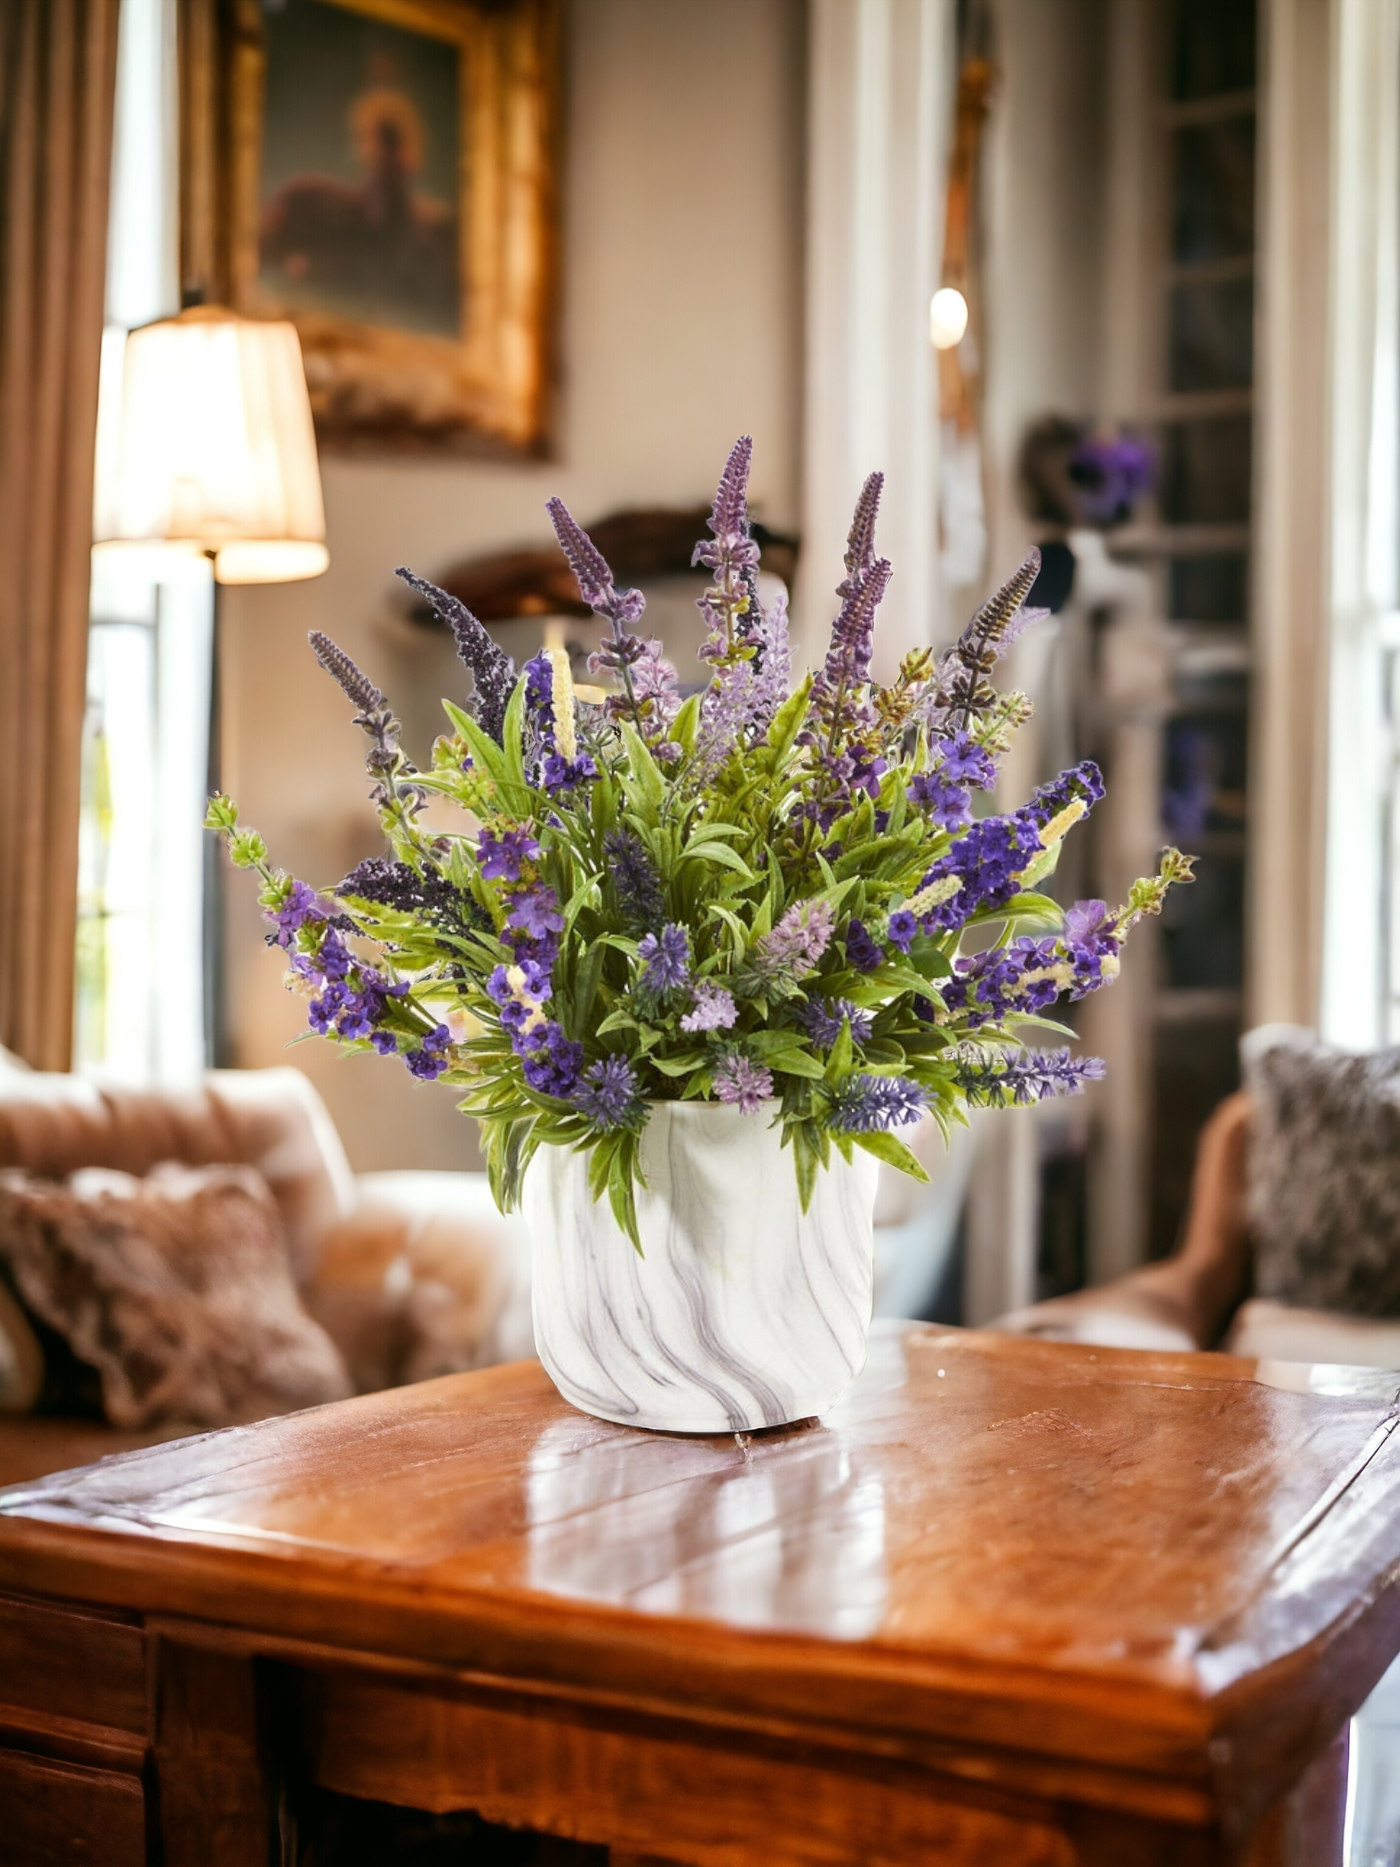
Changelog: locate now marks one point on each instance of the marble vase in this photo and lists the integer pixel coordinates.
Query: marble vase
(742, 1311)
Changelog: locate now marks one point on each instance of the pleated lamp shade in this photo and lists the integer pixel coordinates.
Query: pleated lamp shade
(216, 448)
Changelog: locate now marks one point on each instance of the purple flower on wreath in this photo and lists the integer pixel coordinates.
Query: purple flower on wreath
(823, 1018)
(861, 950)
(666, 959)
(866, 1103)
(743, 1084)
(607, 1095)
(902, 929)
(535, 911)
(712, 1008)
(500, 857)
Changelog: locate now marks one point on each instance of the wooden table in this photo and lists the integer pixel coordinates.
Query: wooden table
(1010, 1603)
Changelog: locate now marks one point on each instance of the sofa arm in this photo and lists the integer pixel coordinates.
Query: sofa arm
(1187, 1301)
(423, 1277)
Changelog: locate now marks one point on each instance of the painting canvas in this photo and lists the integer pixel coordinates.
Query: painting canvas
(361, 169)
(381, 172)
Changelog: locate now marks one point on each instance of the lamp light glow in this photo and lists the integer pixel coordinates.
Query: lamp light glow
(216, 451)
(947, 317)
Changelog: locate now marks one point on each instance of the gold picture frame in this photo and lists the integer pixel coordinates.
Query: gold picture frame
(419, 275)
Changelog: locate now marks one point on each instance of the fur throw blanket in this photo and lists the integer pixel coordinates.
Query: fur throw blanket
(1324, 1175)
(175, 1287)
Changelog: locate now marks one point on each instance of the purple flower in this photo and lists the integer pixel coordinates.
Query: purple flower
(530, 979)
(866, 1103)
(823, 1018)
(384, 1042)
(430, 1059)
(902, 929)
(1081, 783)
(634, 877)
(323, 1010)
(963, 760)
(946, 804)
(608, 1094)
(792, 949)
(742, 1083)
(713, 1008)
(666, 958)
(861, 950)
(550, 1061)
(491, 668)
(535, 911)
(772, 664)
(301, 905)
(961, 688)
(499, 858)
(993, 1078)
(988, 862)
(590, 567)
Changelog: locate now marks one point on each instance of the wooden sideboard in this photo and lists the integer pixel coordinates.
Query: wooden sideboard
(1010, 1601)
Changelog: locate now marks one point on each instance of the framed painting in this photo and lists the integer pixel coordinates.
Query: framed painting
(382, 172)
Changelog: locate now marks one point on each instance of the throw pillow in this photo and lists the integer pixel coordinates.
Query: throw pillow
(175, 1288)
(1324, 1174)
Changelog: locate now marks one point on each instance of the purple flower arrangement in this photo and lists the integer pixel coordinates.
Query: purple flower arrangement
(793, 897)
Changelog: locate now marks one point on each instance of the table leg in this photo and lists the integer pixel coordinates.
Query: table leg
(1307, 1828)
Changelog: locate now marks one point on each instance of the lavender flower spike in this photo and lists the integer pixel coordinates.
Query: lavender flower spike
(491, 668)
(992, 1078)
(867, 1103)
(860, 544)
(590, 567)
(357, 687)
(729, 516)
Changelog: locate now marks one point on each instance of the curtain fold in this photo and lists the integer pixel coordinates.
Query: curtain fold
(57, 85)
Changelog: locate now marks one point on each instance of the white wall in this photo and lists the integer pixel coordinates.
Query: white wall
(680, 329)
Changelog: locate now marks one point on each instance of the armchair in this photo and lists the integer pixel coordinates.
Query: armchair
(411, 1274)
(1199, 1298)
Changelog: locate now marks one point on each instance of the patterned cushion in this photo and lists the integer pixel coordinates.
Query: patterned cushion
(1324, 1174)
(175, 1288)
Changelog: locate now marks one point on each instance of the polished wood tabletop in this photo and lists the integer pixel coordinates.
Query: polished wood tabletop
(1149, 1584)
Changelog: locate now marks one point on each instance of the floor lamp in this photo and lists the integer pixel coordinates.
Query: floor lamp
(216, 454)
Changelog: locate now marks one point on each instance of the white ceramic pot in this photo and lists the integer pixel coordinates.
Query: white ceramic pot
(742, 1311)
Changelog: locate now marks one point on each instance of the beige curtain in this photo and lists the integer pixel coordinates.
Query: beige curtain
(57, 84)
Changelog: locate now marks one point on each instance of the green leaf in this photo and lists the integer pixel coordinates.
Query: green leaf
(893, 1152)
(512, 735)
(838, 1064)
(485, 751)
(686, 724)
(590, 971)
(797, 1063)
(710, 849)
(678, 1066)
(787, 723)
(647, 786)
